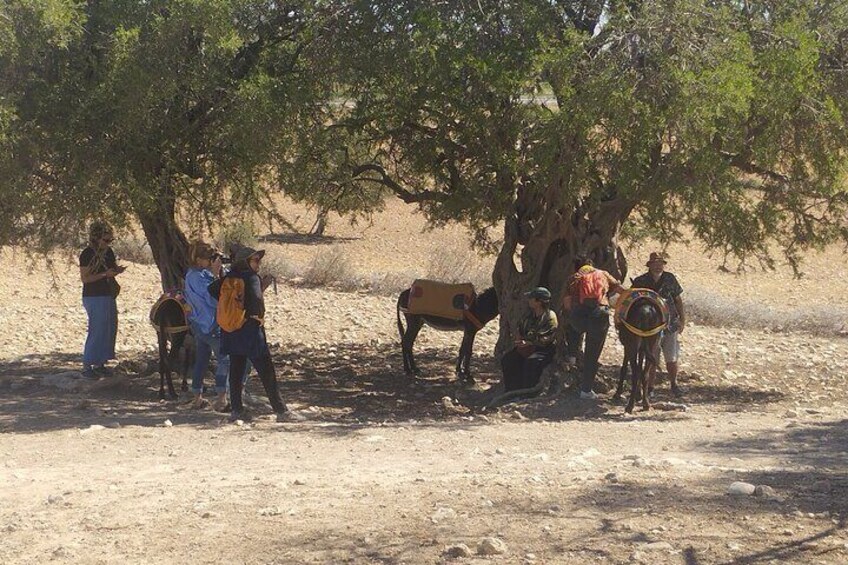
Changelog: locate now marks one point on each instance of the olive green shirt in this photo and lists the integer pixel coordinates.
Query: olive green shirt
(539, 330)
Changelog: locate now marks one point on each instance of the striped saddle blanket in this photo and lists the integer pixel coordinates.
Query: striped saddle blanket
(171, 298)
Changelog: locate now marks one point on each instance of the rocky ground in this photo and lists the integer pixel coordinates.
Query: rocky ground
(388, 469)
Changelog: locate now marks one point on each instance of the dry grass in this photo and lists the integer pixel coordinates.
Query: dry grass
(331, 268)
(133, 248)
(708, 308)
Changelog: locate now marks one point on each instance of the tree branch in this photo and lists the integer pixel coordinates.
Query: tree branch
(399, 191)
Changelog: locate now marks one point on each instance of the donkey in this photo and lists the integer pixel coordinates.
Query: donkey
(640, 334)
(484, 309)
(169, 319)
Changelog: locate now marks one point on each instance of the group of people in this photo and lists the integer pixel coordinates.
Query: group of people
(235, 350)
(586, 309)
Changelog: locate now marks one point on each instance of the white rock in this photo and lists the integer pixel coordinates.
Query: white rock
(92, 428)
(168, 423)
(658, 546)
(443, 514)
(491, 546)
(741, 489)
(458, 550)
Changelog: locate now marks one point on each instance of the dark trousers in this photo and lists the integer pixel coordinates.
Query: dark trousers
(593, 321)
(265, 368)
(524, 372)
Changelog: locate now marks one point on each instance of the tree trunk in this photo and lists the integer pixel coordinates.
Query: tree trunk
(546, 238)
(167, 242)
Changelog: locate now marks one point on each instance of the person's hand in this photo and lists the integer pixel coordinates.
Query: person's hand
(217, 266)
(682, 325)
(266, 281)
(110, 274)
(120, 269)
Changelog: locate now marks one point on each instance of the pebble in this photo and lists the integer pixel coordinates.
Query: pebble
(442, 514)
(92, 428)
(168, 423)
(270, 511)
(54, 499)
(765, 491)
(741, 489)
(658, 546)
(491, 546)
(458, 550)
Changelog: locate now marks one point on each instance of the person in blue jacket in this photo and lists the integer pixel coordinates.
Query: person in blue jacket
(206, 268)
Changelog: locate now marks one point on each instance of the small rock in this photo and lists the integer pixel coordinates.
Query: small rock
(658, 546)
(168, 423)
(299, 482)
(54, 499)
(458, 550)
(791, 414)
(612, 477)
(741, 489)
(491, 546)
(765, 491)
(92, 428)
(270, 511)
(443, 514)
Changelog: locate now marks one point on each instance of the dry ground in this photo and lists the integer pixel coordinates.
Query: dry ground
(382, 472)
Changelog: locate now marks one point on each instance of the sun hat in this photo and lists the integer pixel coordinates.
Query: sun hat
(539, 293)
(656, 258)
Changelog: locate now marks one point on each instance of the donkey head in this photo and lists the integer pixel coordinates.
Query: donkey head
(486, 305)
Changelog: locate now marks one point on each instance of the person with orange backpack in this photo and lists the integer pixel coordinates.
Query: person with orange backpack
(240, 314)
(586, 307)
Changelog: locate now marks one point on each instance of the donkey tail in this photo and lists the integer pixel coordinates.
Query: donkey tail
(400, 303)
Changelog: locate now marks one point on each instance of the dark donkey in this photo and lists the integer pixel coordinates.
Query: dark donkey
(484, 309)
(640, 334)
(169, 318)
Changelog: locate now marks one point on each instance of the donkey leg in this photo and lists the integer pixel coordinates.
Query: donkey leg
(163, 362)
(173, 357)
(622, 374)
(412, 329)
(469, 347)
(634, 382)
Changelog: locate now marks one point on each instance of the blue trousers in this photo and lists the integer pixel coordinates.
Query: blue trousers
(102, 330)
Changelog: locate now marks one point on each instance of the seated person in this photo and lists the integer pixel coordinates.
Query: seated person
(534, 345)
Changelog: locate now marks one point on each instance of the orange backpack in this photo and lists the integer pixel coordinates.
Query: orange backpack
(589, 283)
(231, 314)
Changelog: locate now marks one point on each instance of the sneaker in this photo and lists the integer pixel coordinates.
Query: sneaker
(244, 416)
(88, 373)
(103, 371)
(289, 416)
(591, 395)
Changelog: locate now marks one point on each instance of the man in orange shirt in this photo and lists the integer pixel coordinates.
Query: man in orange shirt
(586, 307)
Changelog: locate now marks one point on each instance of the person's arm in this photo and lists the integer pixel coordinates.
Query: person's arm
(546, 334)
(614, 284)
(87, 276)
(678, 303)
(255, 305)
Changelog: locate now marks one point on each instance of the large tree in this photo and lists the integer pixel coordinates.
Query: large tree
(145, 113)
(571, 121)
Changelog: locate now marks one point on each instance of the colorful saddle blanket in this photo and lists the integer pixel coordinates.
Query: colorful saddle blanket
(174, 295)
(628, 298)
(440, 299)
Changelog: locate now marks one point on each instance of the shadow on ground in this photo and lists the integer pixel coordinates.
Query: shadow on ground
(347, 384)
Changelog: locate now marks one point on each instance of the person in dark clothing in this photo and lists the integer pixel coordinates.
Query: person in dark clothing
(249, 341)
(534, 344)
(98, 271)
(587, 306)
(666, 285)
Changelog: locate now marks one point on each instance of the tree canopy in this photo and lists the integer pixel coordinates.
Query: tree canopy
(570, 121)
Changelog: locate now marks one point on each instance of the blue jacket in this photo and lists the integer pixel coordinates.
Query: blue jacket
(204, 306)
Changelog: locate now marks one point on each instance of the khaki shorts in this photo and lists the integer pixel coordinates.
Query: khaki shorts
(671, 347)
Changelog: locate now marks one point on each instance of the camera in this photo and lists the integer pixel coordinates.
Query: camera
(224, 259)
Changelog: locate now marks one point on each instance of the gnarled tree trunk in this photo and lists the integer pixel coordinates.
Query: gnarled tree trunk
(167, 241)
(543, 236)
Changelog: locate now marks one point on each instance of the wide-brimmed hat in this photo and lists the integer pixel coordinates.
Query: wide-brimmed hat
(243, 254)
(539, 293)
(656, 258)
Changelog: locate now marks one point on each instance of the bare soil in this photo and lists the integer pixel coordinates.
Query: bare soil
(383, 470)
